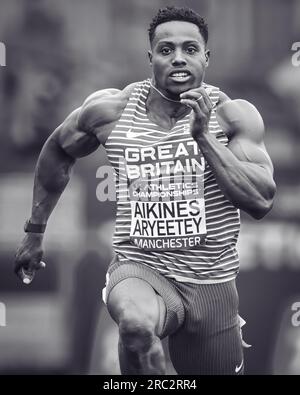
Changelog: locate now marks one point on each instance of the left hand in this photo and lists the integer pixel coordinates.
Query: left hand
(199, 101)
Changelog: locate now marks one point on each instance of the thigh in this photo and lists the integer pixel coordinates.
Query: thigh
(219, 354)
(136, 296)
(209, 341)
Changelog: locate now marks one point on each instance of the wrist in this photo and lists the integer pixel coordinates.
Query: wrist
(34, 227)
(200, 137)
(34, 238)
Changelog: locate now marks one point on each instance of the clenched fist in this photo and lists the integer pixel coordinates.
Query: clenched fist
(28, 257)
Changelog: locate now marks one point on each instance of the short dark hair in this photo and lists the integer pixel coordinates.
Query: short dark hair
(185, 14)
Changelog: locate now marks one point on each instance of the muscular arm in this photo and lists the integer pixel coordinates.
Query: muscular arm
(55, 163)
(79, 135)
(71, 140)
(52, 174)
(243, 169)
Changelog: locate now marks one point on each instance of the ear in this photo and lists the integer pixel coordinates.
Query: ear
(207, 56)
(150, 56)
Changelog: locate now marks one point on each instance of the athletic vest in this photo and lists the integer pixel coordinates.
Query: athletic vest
(171, 213)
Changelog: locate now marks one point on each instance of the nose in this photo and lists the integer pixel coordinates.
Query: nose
(178, 59)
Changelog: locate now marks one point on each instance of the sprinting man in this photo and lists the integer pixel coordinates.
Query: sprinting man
(186, 159)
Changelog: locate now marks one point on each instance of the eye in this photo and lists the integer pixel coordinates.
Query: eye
(191, 50)
(165, 51)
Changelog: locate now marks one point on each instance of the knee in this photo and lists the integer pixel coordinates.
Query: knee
(137, 331)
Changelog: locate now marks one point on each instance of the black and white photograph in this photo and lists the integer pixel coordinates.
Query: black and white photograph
(149, 190)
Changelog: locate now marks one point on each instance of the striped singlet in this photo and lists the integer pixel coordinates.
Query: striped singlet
(171, 213)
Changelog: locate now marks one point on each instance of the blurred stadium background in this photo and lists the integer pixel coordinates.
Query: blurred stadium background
(58, 52)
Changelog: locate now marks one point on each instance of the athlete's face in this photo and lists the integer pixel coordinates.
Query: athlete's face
(178, 57)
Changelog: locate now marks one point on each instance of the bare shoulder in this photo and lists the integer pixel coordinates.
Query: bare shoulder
(103, 107)
(239, 117)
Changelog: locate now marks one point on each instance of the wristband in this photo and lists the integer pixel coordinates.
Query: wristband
(34, 228)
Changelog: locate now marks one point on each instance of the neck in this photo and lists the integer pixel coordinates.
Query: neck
(162, 95)
(163, 108)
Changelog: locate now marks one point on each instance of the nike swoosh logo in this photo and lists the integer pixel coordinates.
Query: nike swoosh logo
(132, 135)
(238, 368)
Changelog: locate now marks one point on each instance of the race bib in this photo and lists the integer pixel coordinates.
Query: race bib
(166, 189)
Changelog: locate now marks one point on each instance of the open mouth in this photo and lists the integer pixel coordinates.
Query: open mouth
(180, 76)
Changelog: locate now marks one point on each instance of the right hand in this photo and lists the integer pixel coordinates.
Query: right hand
(28, 257)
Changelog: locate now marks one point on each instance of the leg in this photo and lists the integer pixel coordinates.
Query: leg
(209, 341)
(140, 314)
(219, 354)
